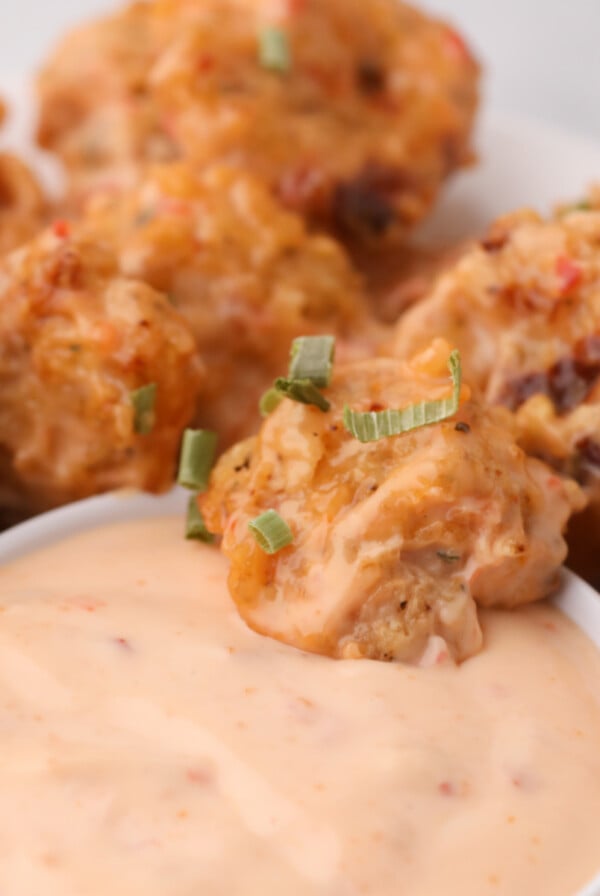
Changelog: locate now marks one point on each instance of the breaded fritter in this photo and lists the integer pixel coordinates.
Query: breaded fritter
(23, 206)
(76, 339)
(524, 309)
(244, 272)
(396, 540)
(354, 113)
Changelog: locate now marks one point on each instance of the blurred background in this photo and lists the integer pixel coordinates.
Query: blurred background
(541, 56)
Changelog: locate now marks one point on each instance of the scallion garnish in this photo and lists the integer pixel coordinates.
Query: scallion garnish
(312, 359)
(271, 532)
(274, 50)
(448, 556)
(584, 205)
(311, 362)
(197, 456)
(303, 391)
(195, 527)
(269, 401)
(144, 401)
(370, 426)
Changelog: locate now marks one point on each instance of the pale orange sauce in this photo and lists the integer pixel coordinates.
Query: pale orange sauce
(152, 744)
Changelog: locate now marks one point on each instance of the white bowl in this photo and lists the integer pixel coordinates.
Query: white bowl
(576, 599)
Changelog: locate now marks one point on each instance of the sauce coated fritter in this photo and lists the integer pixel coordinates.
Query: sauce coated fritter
(24, 208)
(76, 340)
(244, 272)
(524, 309)
(395, 541)
(353, 113)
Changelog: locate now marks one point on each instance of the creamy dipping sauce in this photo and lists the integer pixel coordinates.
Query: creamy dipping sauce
(152, 744)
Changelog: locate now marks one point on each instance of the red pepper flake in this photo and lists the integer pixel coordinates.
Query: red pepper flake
(61, 229)
(295, 7)
(206, 63)
(199, 775)
(569, 273)
(457, 45)
(124, 644)
(447, 788)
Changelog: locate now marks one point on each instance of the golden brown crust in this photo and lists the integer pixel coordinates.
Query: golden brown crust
(23, 206)
(524, 308)
(76, 339)
(245, 273)
(358, 135)
(395, 540)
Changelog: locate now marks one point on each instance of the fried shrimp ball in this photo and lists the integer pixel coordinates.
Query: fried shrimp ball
(244, 272)
(395, 541)
(524, 309)
(76, 341)
(354, 113)
(96, 111)
(23, 206)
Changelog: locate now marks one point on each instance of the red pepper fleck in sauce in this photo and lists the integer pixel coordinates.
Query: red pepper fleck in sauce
(569, 273)
(446, 788)
(61, 229)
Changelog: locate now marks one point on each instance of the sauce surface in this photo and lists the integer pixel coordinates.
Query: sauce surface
(152, 744)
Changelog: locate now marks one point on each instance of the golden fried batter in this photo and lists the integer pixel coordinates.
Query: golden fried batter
(244, 272)
(395, 541)
(76, 338)
(23, 206)
(524, 309)
(354, 113)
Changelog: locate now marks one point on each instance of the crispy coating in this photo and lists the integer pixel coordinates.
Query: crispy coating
(23, 206)
(358, 133)
(76, 339)
(395, 541)
(243, 271)
(524, 309)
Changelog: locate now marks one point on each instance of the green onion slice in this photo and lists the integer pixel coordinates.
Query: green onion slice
(196, 460)
(271, 532)
(195, 527)
(303, 391)
(371, 426)
(448, 556)
(312, 359)
(274, 50)
(144, 401)
(584, 205)
(271, 399)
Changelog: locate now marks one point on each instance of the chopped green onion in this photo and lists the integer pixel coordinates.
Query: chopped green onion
(195, 527)
(374, 425)
(448, 556)
(274, 50)
(271, 532)
(144, 401)
(312, 359)
(584, 205)
(271, 399)
(303, 391)
(196, 460)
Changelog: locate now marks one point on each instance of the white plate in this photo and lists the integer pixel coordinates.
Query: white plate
(522, 163)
